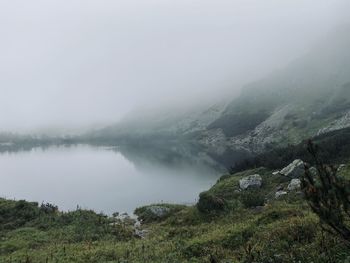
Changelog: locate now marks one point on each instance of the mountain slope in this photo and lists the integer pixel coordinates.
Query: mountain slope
(308, 97)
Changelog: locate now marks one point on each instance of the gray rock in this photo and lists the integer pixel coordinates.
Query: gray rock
(141, 233)
(294, 185)
(251, 181)
(158, 211)
(125, 219)
(276, 172)
(294, 169)
(137, 224)
(278, 194)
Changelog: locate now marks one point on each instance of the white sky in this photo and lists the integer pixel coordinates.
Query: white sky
(71, 63)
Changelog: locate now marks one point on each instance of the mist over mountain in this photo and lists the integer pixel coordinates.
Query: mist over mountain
(309, 96)
(73, 67)
(175, 131)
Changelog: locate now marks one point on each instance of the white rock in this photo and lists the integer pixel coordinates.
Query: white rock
(294, 170)
(294, 185)
(251, 181)
(276, 172)
(278, 194)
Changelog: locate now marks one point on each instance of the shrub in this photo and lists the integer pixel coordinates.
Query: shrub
(252, 198)
(328, 195)
(14, 214)
(208, 203)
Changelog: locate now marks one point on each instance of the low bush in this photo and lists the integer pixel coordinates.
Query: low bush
(210, 203)
(252, 198)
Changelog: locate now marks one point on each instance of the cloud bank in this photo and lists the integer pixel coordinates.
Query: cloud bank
(81, 62)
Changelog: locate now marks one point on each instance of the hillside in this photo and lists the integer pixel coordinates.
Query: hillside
(308, 97)
(269, 221)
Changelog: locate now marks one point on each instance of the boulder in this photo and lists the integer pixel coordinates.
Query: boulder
(137, 224)
(294, 185)
(294, 169)
(158, 211)
(278, 194)
(251, 181)
(124, 218)
(141, 233)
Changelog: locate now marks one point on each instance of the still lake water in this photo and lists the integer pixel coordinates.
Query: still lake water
(101, 178)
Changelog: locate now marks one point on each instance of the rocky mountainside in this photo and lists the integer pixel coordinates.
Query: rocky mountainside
(308, 97)
(169, 122)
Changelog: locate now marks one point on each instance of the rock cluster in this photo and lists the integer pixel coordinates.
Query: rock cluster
(294, 170)
(251, 181)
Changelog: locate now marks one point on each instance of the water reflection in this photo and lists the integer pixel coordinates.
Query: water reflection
(106, 178)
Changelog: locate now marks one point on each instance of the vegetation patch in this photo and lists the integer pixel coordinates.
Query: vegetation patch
(157, 212)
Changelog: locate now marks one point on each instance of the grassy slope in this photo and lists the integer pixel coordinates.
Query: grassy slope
(284, 230)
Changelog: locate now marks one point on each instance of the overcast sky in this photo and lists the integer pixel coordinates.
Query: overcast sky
(70, 63)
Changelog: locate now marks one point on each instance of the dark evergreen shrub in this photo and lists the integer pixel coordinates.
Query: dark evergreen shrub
(328, 195)
(208, 203)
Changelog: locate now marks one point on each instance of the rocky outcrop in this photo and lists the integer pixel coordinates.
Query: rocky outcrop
(341, 123)
(294, 185)
(158, 211)
(251, 181)
(215, 140)
(266, 133)
(294, 170)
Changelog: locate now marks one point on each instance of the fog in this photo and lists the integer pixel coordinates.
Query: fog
(80, 63)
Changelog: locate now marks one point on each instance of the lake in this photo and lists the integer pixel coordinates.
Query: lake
(105, 179)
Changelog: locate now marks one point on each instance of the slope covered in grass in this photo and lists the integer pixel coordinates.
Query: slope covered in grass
(243, 230)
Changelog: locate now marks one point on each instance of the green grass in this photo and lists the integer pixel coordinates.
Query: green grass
(284, 230)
